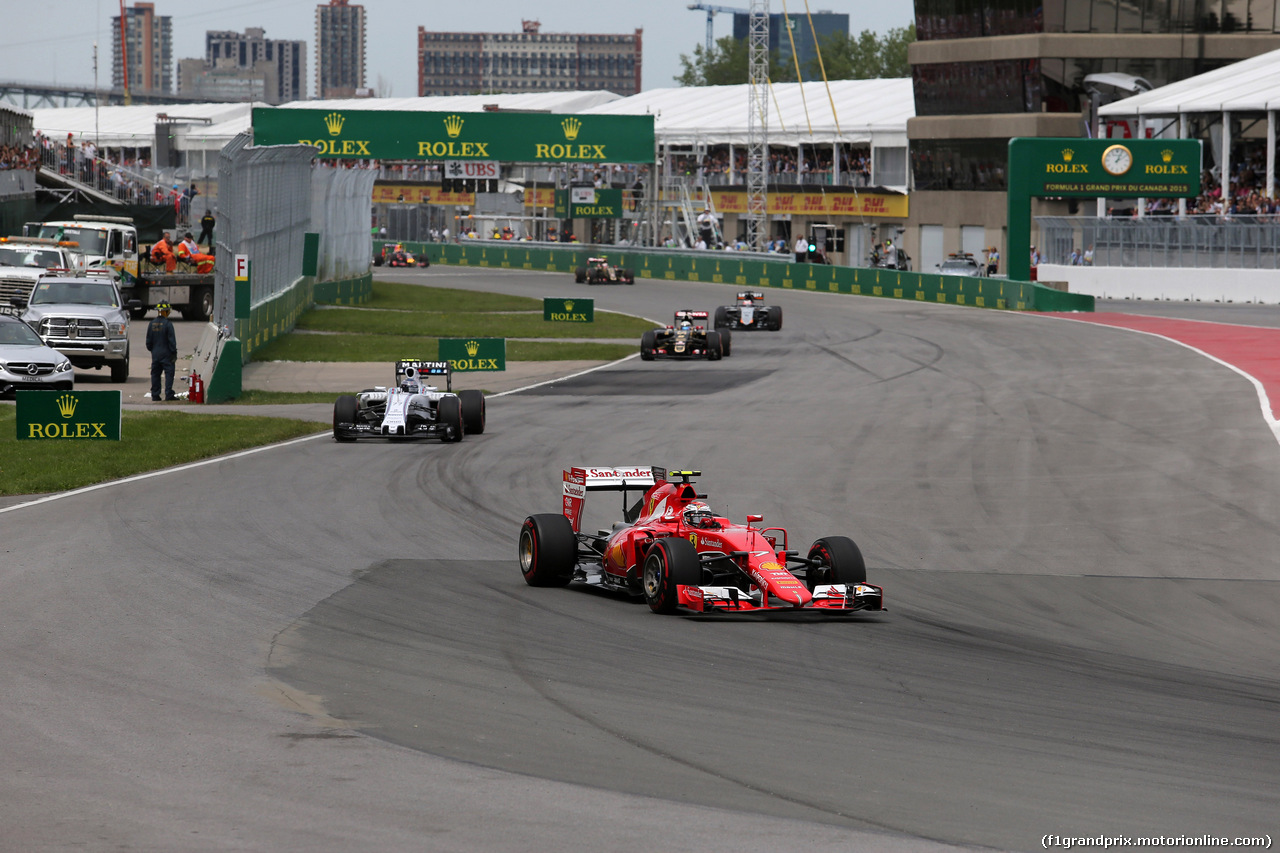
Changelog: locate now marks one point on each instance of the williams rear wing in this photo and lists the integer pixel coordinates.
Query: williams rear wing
(425, 369)
(579, 481)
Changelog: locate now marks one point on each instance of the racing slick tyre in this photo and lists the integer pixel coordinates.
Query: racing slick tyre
(775, 318)
(580, 275)
(450, 414)
(726, 340)
(648, 341)
(472, 411)
(548, 550)
(671, 562)
(715, 346)
(120, 369)
(344, 412)
(626, 276)
(835, 559)
(722, 318)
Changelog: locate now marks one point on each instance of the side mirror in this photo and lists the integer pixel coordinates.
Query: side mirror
(134, 305)
(754, 518)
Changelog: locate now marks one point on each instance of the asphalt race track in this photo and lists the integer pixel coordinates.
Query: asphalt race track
(329, 647)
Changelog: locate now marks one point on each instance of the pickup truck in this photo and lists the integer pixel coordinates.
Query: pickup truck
(109, 244)
(85, 319)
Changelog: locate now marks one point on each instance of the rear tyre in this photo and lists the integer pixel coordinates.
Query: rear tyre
(627, 276)
(202, 303)
(580, 275)
(722, 318)
(548, 550)
(120, 369)
(775, 318)
(838, 561)
(670, 563)
(472, 411)
(344, 412)
(450, 413)
(715, 350)
(726, 341)
(648, 341)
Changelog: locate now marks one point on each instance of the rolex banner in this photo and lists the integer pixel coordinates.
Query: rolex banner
(470, 354)
(569, 310)
(508, 137)
(85, 415)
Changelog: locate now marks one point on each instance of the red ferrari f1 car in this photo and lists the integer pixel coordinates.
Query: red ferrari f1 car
(671, 549)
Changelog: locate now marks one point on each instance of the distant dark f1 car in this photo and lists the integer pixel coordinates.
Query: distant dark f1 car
(749, 312)
(686, 338)
(600, 271)
(671, 549)
(411, 409)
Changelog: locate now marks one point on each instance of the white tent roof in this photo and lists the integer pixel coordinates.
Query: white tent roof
(135, 126)
(865, 110)
(1250, 85)
(550, 102)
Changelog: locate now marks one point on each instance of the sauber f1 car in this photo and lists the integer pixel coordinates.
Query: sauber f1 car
(686, 338)
(749, 312)
(671, 549)
(410, 409)
(600, 271)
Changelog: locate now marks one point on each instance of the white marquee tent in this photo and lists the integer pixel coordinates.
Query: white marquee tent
(1250, 86)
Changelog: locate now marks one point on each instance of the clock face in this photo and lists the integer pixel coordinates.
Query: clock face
(1117, 159)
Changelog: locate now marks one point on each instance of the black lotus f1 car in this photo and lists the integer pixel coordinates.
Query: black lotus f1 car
(687, 338)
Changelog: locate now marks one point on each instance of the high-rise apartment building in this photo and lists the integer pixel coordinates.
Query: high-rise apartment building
(147, 41)
(247, 50)
(527, 61)
(340, 37)
(987, 70)
(787, 29)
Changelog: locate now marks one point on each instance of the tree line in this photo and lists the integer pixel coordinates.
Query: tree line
(844, 57)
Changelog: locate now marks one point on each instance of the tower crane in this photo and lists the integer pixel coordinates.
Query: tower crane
(711, 15)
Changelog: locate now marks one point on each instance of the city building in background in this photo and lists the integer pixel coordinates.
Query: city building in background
(148, 42)
(340, 43)
(251, 51)
(825, 24)
(200, 81)
(986, 71)
(527, 61)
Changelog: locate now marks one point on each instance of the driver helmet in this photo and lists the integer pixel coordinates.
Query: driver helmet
(698, 514)
(410, 383)
(686, 323)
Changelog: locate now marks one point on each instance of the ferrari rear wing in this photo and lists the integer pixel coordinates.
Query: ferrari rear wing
(579, 481)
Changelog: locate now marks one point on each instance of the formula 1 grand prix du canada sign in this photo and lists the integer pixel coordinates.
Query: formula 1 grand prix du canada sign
(509, 137)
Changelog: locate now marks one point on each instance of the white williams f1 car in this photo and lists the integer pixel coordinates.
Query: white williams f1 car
(411, 409)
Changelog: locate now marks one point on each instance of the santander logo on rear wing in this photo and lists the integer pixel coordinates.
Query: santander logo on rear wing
(579, 481)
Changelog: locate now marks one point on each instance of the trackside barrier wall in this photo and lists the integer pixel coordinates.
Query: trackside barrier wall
(274, 203)
(723, 268)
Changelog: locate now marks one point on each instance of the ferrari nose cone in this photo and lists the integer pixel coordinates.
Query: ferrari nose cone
(796, 596)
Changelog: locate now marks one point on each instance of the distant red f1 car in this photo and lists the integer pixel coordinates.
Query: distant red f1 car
(671, 549)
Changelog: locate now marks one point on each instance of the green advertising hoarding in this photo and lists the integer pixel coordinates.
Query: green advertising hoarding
(505, 136)
(57, 415)
(569, 310)
(575, 204)
(472, 354)
(1069, 167)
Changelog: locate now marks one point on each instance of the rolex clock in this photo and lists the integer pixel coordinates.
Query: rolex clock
(1117, 160)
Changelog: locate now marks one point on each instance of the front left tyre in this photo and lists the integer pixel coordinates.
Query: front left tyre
(450, 414)
(670, 563)
(715, 347)
(835, 559)
(344, 412)
(548, 550)
(472, 411)
(648, 341)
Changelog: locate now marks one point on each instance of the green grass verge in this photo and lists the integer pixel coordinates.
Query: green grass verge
(389, 348)
(413, 297)
(149, 441)
(258, 397)
(471, 324)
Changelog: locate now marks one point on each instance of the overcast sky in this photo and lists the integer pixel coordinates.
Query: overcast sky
(51, 41)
